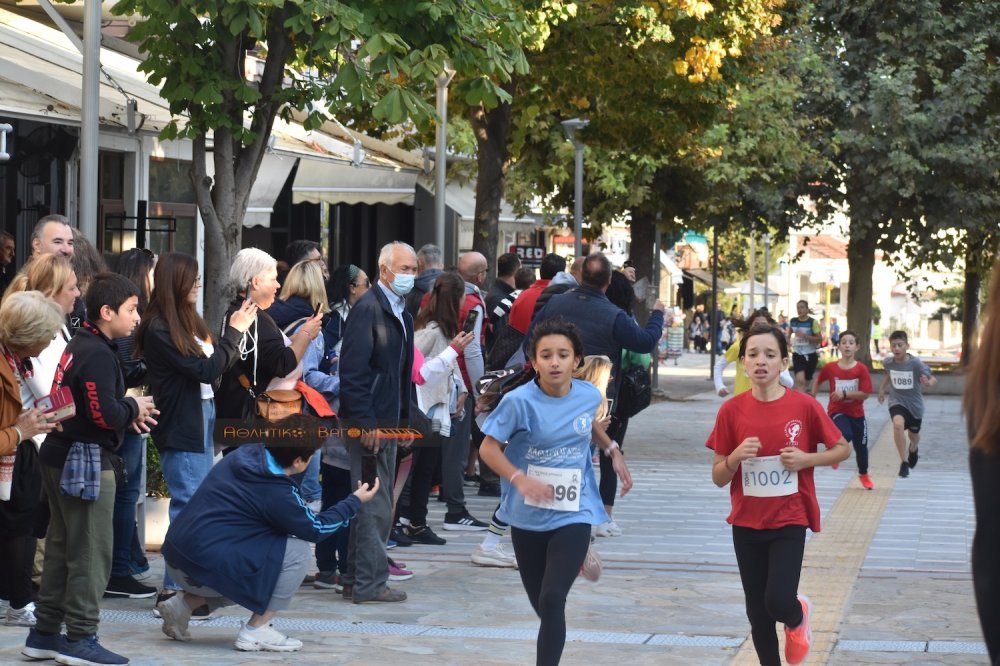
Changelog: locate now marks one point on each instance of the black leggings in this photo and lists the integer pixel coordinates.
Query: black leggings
(608, 484)
(549, 563)
(17, 555)
(770, 562)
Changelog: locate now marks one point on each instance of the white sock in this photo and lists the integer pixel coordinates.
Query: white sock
(490, 541)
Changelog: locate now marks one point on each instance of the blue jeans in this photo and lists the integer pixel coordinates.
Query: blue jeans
(185, 470)
(309, 481)
(126, 496)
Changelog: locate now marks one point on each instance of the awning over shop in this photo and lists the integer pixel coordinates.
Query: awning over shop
(705, 277)
(41, 72)
(334, 181)
(461, 198)
(668, 263)
(271, 177)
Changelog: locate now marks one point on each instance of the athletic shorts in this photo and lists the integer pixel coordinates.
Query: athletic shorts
(910, 423)
(805, 363)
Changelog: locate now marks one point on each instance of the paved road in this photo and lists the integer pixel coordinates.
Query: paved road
(670, 593)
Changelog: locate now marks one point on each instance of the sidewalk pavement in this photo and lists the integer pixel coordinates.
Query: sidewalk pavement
(889, 573)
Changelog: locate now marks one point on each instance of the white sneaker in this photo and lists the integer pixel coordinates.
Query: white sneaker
(265, 638)
(175, 615)
(493, 557)
(608, 529)
(592, 565)
(23, 617)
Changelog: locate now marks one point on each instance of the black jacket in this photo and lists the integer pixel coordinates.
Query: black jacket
(274, 359)
(985, 468)
(175, 381)
(94, 376)
(376, 361)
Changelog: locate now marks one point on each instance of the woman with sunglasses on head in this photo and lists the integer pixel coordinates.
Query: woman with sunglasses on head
(183, 361)
(766, 442)
(550, 495)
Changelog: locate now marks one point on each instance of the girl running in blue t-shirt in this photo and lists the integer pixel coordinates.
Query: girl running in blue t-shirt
(550, 497)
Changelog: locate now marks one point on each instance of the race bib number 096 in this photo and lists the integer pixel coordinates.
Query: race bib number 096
(565, 484)
(767, 477)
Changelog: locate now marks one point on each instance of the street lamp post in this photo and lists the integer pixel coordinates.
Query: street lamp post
(441, 153)
(570, 127)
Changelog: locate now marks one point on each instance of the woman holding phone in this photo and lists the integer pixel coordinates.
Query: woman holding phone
(183, 361)
(264, 351)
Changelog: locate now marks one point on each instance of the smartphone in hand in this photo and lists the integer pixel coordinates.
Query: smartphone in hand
(470, 321)
(369, 469)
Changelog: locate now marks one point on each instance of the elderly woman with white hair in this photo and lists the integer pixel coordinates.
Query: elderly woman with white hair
(28, 322)
(265, 352)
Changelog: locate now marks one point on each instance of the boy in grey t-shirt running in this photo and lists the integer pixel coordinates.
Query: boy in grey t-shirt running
(905, 376)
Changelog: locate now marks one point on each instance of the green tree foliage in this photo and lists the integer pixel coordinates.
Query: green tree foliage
(909, 96)
(319, 57)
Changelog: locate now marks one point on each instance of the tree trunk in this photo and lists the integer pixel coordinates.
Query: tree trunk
(861, 264)
(643, 230)
(970, 304)
(222, 232)
(492, 130)
(222, 201)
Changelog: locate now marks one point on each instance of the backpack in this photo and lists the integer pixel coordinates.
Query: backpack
(508, 340)
(495, 384)
(635, 391)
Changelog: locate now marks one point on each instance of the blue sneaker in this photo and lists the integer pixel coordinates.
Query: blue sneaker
(88, 652)
(43, 646)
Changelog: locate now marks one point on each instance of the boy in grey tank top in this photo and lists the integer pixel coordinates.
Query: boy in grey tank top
(905, 377)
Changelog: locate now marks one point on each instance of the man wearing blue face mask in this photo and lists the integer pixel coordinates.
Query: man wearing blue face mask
(376, 391)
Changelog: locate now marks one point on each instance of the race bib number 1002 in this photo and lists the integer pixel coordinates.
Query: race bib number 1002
(565, 484)
(767, 477)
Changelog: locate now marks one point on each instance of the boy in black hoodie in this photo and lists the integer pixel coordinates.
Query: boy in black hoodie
(79, 540)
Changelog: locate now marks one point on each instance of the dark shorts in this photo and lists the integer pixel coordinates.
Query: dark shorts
(909, 422)
(805, 363)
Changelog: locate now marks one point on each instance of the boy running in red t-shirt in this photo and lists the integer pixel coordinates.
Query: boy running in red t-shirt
(850, 384)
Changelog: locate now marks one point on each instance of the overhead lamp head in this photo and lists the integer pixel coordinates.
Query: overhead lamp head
(571, 126)
(446, 75)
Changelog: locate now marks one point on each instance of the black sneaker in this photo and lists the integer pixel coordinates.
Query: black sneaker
(488, 489)
(471, 480)
(912, 460)
(200, 613)
(904, 469)
(128, 587)
(400, 536)
(463, 522)
(424, 534)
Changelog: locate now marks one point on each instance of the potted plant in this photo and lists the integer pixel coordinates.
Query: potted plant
(157, 500)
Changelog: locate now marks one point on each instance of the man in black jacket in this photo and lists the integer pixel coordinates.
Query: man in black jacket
(376, 391)
(81, 529)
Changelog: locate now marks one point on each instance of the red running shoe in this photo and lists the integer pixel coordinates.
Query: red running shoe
(799, 640)
(866, 481)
